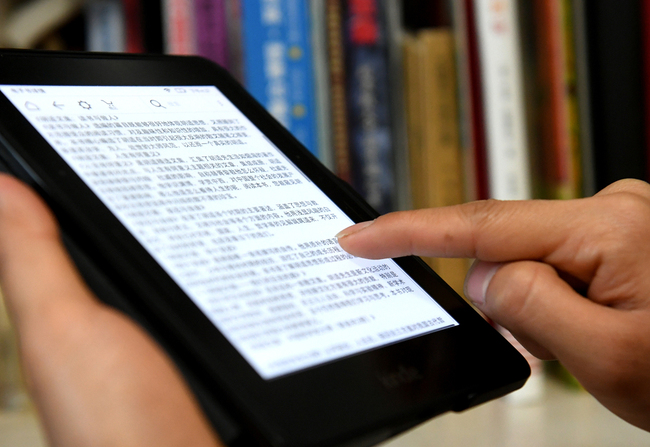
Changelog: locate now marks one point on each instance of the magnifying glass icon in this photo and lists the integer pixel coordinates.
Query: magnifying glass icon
(155, 103)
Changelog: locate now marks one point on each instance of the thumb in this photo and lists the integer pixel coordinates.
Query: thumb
(541, 310)
(37, 277)
(93, 373)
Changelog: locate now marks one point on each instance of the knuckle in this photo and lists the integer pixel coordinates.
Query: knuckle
(516, 287)
(481, 213)
(630, 204)
(629, 216)
(629, 185)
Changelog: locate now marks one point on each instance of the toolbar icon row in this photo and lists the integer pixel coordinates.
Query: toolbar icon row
(86, 105)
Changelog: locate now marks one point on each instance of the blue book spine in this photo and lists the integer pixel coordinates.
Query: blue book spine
(278, 64)
(105, 26)
(373, 166)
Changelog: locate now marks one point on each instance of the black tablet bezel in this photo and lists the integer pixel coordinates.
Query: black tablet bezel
(377, 392)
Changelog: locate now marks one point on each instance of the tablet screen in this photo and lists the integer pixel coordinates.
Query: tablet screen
(246, 235)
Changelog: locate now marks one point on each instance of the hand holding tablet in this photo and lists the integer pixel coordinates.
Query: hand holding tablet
(215, 230)
(95, 377)
(567, 278)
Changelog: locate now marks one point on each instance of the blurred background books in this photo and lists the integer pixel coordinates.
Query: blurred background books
(416, 103)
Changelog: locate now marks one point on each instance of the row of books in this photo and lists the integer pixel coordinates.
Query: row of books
(416, 103)
(330, 71)
(539, 98)
(324, 69)
(523, 99)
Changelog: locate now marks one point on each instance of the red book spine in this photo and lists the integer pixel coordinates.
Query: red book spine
(478, 125)
(134, 32)
(555, 135)
(180, 35)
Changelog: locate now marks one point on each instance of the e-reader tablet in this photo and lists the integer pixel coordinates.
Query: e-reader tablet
(215, 227)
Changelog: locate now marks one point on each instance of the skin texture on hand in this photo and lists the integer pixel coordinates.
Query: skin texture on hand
(570, 279)
(97, 379)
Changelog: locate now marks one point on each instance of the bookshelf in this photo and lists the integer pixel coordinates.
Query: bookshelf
(578, 108)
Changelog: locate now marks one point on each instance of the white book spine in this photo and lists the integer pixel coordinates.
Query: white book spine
(509, 171)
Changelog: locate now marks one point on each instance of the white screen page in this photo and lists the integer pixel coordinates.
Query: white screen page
(246, 235)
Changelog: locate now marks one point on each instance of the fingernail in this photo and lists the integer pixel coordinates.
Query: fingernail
(354, 229)
(478, 280)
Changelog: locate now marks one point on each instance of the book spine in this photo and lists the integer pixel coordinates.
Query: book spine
(478, 159)
(179, 25)
(555, 74)
(321, 82)
(105, 26)
(300, 62)
(151, 21)
(4, 18)
(134, 42)
(339, 114)
(413, 88)
(30, 24)
(617, 88)
(466, 110)
(235, 39)
(441, 132)
(571, 102)
(369, 103)
(133, 26)
(646, 71)
(441, 139)
(509, 173)
(583, 98)
(395, 38)
(211, 31)
(279, 66)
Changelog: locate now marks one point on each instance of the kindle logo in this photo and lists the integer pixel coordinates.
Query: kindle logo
(403, 376)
